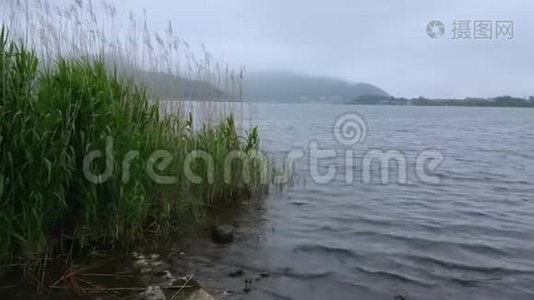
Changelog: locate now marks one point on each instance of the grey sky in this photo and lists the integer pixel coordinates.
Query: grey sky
(379, 42)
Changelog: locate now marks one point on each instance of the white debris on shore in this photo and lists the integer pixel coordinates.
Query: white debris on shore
(151, 264)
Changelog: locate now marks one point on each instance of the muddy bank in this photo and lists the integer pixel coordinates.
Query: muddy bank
(163, 268)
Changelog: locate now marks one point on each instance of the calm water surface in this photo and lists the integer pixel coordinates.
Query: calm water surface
(469, 237)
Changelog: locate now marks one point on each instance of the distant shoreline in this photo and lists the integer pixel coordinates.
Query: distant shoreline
(501, 101)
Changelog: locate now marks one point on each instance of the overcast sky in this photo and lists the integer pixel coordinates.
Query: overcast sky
(380, 42)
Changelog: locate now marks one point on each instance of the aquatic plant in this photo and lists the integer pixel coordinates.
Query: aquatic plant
(62, 98)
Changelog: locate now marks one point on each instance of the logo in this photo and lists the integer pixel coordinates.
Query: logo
(350, 129)
(435, 29)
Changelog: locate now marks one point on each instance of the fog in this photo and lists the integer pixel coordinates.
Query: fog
(384, 43)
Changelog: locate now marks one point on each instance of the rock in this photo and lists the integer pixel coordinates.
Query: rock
(153, 292)
(140, 263)
(223, 234)
(200, 294)
(399, 297)
(236, 273)
(155, 269)
(265, 274)
(149, 265)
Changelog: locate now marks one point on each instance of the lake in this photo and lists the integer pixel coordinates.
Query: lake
(462, 231)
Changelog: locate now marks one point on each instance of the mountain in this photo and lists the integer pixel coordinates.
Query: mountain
(164, 85)
(280, 86)
(167, 86)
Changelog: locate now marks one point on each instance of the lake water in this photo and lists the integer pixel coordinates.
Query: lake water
(470, 236)
(462, 229)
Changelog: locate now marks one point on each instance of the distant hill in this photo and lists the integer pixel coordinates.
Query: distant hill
(167, 86)
(279, 86)
(500, 101)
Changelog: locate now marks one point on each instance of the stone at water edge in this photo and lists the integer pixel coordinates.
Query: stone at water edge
(236, 273)
(149, 264)
(200, 294)
(153, 292)
(223, 234)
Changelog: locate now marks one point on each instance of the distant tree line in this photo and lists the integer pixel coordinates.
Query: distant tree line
(501, 101)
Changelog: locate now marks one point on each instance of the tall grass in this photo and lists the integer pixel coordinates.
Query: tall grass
(95, 28)
(57, 108)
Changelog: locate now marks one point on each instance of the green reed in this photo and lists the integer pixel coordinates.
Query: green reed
(54, 113)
